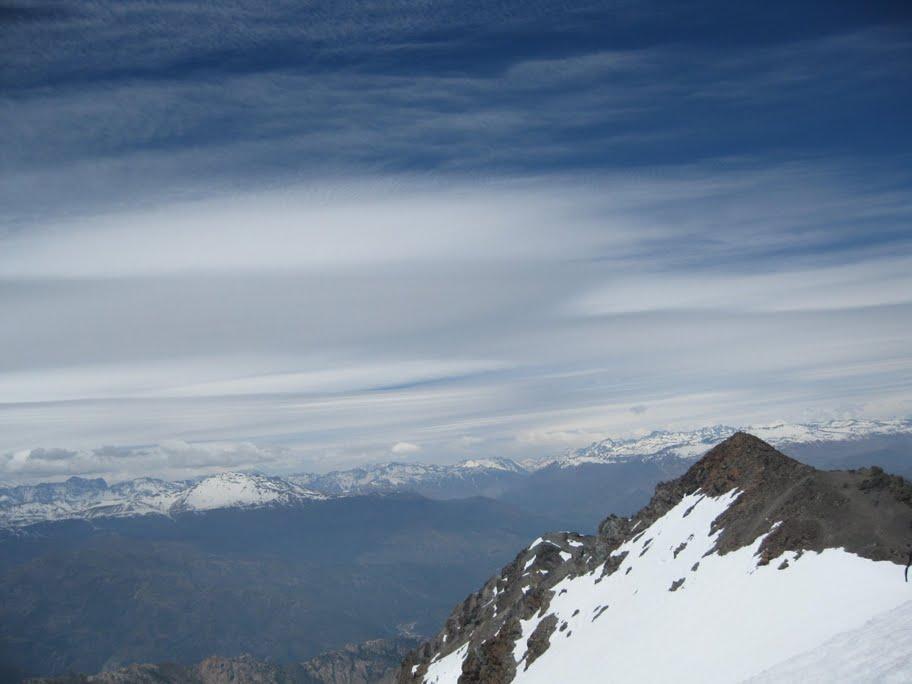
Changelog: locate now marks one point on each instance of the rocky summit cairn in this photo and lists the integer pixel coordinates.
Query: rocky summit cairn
(866, 512)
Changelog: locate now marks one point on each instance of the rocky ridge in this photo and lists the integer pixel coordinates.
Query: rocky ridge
(757, 500)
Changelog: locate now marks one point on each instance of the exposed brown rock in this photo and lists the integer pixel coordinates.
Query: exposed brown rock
(540, 639)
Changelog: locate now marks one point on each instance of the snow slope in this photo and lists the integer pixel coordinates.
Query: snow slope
(878, 651)
(729, 619)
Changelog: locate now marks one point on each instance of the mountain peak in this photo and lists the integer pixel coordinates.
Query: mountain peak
(745, 528)
(742, 461)
(234, 489)
(490, 463)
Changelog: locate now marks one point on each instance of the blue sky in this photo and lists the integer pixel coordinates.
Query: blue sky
(287, 236)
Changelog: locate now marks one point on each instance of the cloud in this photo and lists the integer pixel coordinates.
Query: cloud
(181, 117)
(174, 459)
(49, 455)
(317, 228)
(461, 312)
(880, 282)
(494, 226)
(221, 377)
(401, 448)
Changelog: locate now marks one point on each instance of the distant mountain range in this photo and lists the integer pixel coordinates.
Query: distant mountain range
(474, 477)
(79, 498)
(639, 464)
(693, 443)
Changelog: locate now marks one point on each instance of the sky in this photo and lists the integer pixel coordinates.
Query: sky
(291, 237)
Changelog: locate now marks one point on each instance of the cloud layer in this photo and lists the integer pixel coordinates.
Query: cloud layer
(291, 237)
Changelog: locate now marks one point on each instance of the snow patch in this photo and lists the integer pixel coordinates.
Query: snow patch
(448, 668)
(879, 651)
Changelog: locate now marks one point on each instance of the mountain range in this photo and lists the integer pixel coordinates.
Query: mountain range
(80, 498)
(689, 444)
(472, 477)
(573, 488)
(751, 566)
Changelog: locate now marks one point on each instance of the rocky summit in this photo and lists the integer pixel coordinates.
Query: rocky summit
(749, 562)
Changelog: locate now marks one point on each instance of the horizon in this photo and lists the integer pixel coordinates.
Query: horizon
(528, 463)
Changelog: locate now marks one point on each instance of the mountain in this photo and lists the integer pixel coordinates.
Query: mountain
(232, 490)
(657, 445)
(373, 662)
(282, 583)
(663, 444)
(79, 498)
(474, 477)
(748, 562)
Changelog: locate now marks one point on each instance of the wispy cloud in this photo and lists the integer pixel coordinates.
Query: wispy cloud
(173, 459)
(335, 318)
(487, 228)
(400, 448)
(151, 126)
(876, 282)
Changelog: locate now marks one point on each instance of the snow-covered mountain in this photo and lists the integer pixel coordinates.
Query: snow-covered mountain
(692, 443)
(79, 498)
(750, 565)
(234, 490)
(484, 476)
